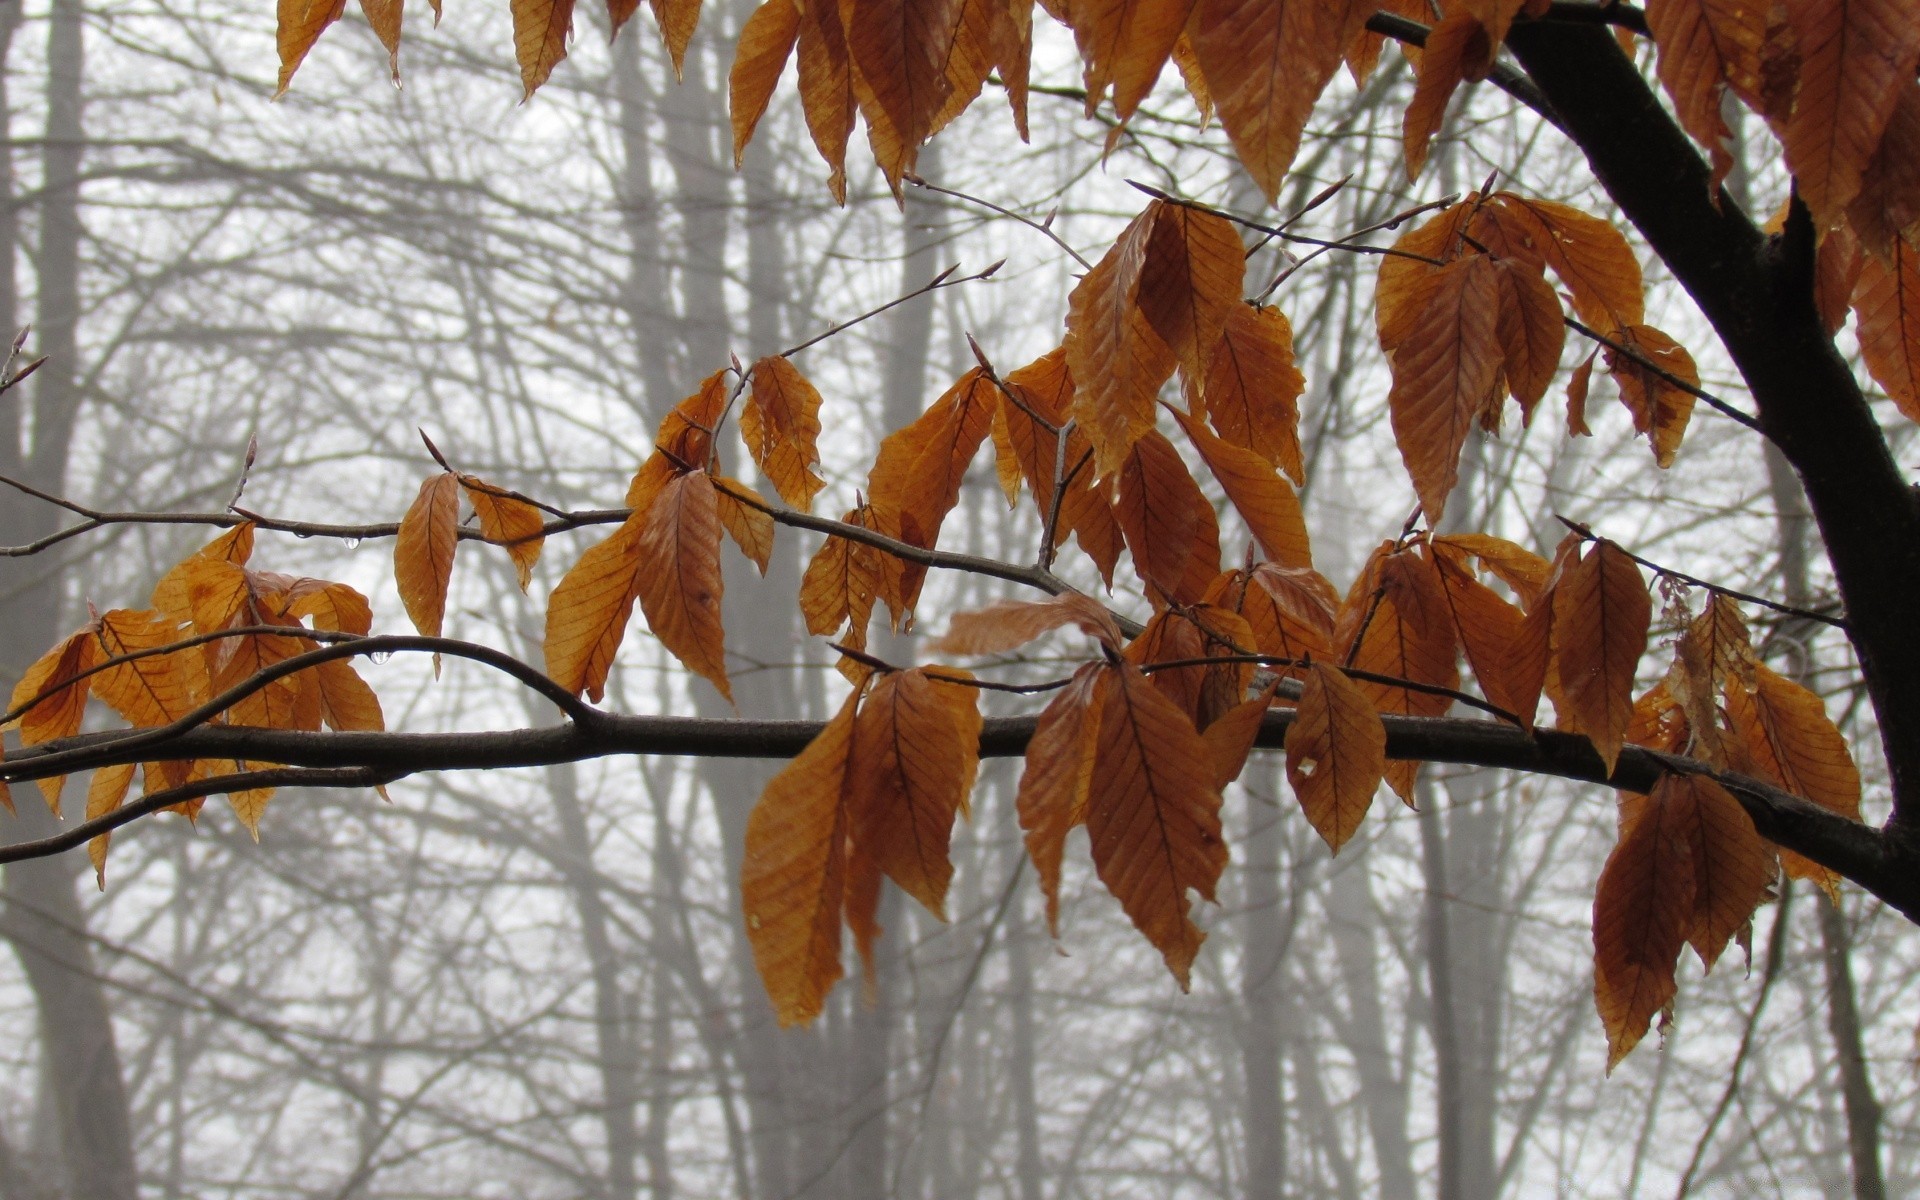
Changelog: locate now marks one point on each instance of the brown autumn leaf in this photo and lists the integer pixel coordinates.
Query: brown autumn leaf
(301, 24)
(1487, 628)
(541, 29)
(1187, 61)
(154, 689)
(1190, 281)
(1169, 526)
(51, 701)
(899, 53)
(1013, 53)
(916, 748)
(1253, 388)
(1852, 58)
(1264, 500)
(679, 582)
(1059, 772)
(423, 553)
(106, 791)
(793, 874)
(1790, 742)
(1888, 206)
(1660, 407)
(1446, 359)
(1009, 624)
(1886, 303)
(1732, 865)
(1028, 450)
(588, 612)
(1456, 41)
(509, 521)
(1265, 64)
(1705, 47)
(1601, 613)
(346, 702)
(766, 42)
(384, 17)
(743, 514)
(1591, 257)
(781, 425)
(1514, 565)
(970, 55)
(1643, 909)
(677, 20)
(1153, 814)
(841, 583)
(1393, 622)
(826, 88)
(1532, 333)
(1116, 359)
(1336, 754)
(1230, 736)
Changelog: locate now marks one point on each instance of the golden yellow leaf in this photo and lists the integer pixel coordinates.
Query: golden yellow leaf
(423, 553)
(744, 515)
(781, 425)
(508, 521)
(105, 793)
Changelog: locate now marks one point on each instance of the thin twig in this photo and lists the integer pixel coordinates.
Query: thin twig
(944, 279)
(1043, 227)
(1587, 533)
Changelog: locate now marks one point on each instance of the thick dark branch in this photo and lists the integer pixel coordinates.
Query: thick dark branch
(1856, 851)
(1758, 293)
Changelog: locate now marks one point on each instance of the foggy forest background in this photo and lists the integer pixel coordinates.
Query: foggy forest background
(536, 983)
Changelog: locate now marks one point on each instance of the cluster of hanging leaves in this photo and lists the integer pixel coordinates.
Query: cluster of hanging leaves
(240, 622)
(1138, 743)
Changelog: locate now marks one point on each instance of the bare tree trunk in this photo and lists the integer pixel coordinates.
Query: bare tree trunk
(1028, 1166)
(1266, 930)
(43, 919)
(1350, 910)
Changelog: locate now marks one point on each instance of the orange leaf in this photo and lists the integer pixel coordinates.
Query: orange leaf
(1446, 368)
(794, 871)
(540, 32)
(1790, 742)
(1514, 565)
(1117, 360)
(1732, 866)
(1487, 627)
(1153, 814)
(677, 20)
(1190, 281)
(1253, 388)
(1853, 59)
(969, 59)
(1886, 301)
(1263, 499)
(346, 702)
(508, 521)
(1457, 40)
(105, 793)
(423, 553)
(826, 88)
(916, 748)
(301, 24)
(384, 17)
(1600, 617)
(1589, 255)
(1009, 624)
(1058, 775)
(1265, 64)
(329, 605)
(781, 425)
(152, 690)
(1012, 53)
(1704, 46)
(1230, 737)
(1169, 526)
(1336, 754)
(744, 515)
(1660, 408)
(841, 582)
(587, 614)
(679, 582)
(1532, 334)
(899, 51)
(1404, 634)
(1643, 909)
(1888, 205)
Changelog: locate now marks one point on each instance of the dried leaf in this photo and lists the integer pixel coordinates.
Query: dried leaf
(301, 24)
(1446, 367)
(541, 29)
(1659, 406)
(1169, 526)
(1009, 624)
(679, 581)
(423, 553)
(1058, 775)
(1853, 57)
(1117, 360)
(1601, 613)
(1336, 754)
(916, 748)
(781, 425)
(587, 614)
(1263, 499)
(1886, 302)
(508, 521)
(794, 872)
(1253, 388)
(1643, 909)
